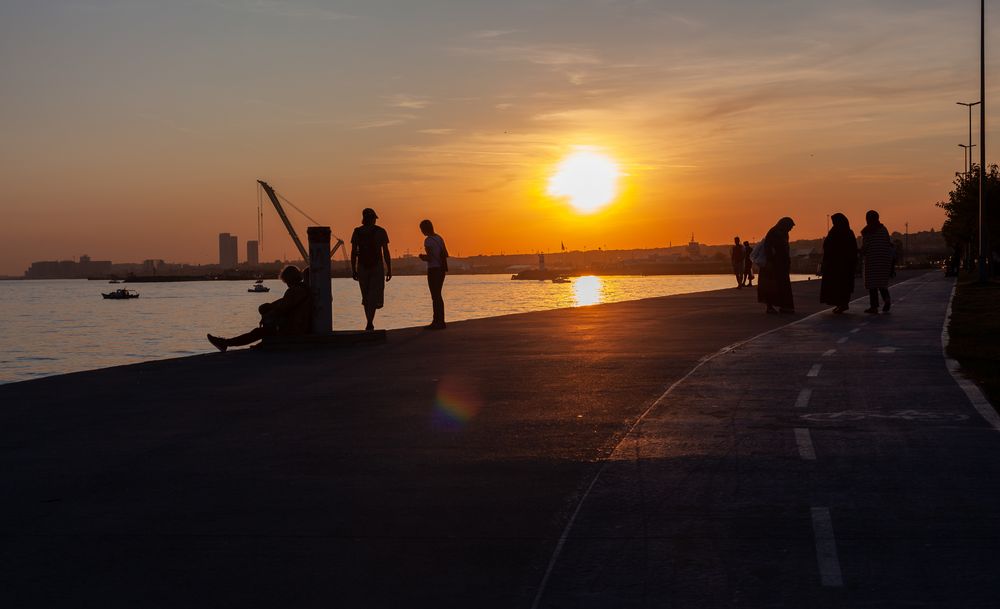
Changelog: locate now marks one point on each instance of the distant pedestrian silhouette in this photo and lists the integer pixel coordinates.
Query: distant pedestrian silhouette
(371, 265)
(877, 250)
(290, 315)
(840, 258)
(774, 283)
(436, 257)
(738, 255)
(747, 263)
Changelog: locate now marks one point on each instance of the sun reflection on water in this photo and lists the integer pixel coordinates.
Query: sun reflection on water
(587, 290)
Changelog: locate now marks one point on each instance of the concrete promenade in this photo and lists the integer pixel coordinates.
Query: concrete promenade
(604, 456)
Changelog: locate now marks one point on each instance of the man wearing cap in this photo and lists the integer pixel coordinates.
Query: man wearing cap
(370, 263)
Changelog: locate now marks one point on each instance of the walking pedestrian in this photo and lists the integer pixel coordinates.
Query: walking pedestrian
(371, 265)
(774, 284)
(747, 263)
(436, 257)
(737, 255)
(877, 251)
(840, 258)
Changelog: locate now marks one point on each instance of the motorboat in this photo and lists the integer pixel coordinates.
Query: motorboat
(114, 281)
(120, 294)
(258, 286)
(562, 279)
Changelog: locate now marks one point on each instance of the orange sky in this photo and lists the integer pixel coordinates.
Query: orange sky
(137, 130)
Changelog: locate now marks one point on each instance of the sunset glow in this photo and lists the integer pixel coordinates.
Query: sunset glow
(701, 118)
(587, 178)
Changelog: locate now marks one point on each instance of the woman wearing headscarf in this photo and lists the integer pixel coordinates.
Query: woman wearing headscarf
(876, 247)
(840, 259)
(774, 283)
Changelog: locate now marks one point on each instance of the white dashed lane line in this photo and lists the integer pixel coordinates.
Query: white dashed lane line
(803, 400)
(855, 330)
(829, 352)
(841, 341)
(826, 548)
(814, 371)
(804, 440)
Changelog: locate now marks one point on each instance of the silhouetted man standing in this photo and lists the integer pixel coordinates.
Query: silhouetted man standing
(737, 255)
(436, 257)
(371, 266)
(747, 263)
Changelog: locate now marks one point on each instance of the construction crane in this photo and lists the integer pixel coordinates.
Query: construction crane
(273, 196)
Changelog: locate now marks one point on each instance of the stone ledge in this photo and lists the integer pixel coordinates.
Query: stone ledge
(343, 338)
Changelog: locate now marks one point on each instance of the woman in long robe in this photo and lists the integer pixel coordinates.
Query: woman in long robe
(840, 259)
(774, 283)
(876, 247)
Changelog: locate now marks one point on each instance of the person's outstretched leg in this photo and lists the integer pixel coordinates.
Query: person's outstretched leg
(243, 339)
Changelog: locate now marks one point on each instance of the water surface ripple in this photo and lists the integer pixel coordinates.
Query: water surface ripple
(59, 326)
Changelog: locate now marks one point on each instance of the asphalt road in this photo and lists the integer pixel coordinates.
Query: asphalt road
(442, 469)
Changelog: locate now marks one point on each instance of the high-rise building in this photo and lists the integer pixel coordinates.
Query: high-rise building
(253, 253)
(228, 251)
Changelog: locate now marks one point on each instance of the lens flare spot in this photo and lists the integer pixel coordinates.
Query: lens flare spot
(456, 403)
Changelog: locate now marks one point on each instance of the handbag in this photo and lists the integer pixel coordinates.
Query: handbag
(759, 255)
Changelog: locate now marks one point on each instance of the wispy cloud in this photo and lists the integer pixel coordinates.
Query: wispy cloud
(491, 34)
(284, 8)
(410, 102)
(436, 131)
(165, 122)
(380, 123)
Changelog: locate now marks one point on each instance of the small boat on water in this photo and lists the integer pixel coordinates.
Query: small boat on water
(258, 286)
(562, 279)
(114, 281)
(120, 294)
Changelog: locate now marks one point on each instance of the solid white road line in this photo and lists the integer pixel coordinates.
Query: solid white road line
(803, 400)
(804, 440)
(971, 390)
(826, 548)
(814, 371)
(829, 352)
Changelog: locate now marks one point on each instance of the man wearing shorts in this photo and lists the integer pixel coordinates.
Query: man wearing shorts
(371, 266)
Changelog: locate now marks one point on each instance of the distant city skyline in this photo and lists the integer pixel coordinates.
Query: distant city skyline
(139, 129)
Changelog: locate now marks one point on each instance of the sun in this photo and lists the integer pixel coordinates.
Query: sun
(587, 178)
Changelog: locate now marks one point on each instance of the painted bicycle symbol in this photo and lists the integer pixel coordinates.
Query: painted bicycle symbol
(923, 416)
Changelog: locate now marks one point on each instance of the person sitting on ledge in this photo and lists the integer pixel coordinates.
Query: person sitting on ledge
(287, 316)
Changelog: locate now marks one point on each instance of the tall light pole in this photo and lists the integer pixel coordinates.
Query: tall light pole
(982, 136)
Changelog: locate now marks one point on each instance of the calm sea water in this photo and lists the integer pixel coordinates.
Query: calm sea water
(53, 327)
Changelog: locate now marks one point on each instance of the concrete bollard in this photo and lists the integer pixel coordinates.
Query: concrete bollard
(319, 279)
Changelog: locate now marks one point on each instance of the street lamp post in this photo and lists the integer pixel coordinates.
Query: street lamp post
(982, 136)
(968, 156)
(970, 145)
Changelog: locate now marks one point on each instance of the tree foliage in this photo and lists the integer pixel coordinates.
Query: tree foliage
(961, 225)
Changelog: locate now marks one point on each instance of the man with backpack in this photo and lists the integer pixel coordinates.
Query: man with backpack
(436, 257)
(371, 265)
